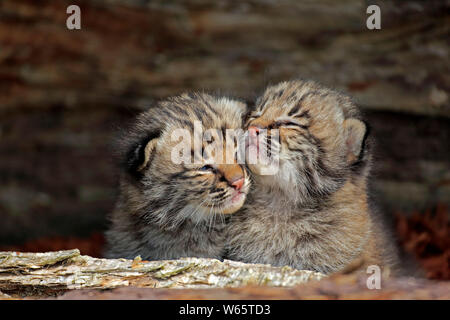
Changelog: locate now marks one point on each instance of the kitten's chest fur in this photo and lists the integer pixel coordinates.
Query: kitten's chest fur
(133, 236)
(189, 240)
(323, 238)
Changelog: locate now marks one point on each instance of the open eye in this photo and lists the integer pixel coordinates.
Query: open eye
(206, 168)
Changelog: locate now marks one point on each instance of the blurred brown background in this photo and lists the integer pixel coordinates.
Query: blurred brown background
(64, 93)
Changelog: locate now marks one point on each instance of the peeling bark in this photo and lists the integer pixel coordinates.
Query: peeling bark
(40, 274)
(69, 275)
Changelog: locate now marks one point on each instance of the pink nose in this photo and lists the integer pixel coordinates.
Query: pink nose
(253, 131)
(237, 184)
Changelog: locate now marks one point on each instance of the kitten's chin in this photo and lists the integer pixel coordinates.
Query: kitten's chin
(230, 206)
(234, 204)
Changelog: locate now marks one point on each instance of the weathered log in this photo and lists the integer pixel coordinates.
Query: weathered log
(131, 52)
(4, 296)
(342, 287)
(38, 274)
(69, 275)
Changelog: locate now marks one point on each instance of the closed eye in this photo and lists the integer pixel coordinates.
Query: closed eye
(288, 123)
(251, 119)
(253, 116)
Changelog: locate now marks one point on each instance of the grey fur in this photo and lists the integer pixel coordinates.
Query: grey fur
(161, 211)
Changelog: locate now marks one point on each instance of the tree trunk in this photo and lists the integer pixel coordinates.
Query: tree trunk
(38, 274)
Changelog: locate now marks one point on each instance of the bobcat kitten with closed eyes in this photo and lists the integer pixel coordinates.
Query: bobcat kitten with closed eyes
(313, 213)
(167, 210)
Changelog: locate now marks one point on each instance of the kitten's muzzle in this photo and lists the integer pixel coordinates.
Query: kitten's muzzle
(237, 184)
(233, 174)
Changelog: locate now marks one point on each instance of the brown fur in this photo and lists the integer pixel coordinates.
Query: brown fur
(314, 212)
(167, 210)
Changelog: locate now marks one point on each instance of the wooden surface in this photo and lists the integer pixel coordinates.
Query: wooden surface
(342, 287)
(132, 52)
(51, 273)
(67, 275)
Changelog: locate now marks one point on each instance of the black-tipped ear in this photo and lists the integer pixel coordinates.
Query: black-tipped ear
(140, 154)
(355, 135)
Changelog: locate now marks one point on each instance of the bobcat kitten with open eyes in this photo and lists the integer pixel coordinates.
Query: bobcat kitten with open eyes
(167, 210)
(313, 213)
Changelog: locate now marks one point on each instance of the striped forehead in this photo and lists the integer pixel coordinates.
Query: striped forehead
(209, 115)
(282, 102)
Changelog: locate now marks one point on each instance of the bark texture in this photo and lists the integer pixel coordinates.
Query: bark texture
(340, 287)
(50, 273)
(68, 275)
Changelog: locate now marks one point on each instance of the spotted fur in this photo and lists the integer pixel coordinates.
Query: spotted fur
(313, 213)
(167, 210)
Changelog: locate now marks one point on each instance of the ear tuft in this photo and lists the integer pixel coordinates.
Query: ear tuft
(139, 155)
(355, 134)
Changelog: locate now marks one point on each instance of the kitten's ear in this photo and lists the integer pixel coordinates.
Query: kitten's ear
(355, 135)
(140, 154)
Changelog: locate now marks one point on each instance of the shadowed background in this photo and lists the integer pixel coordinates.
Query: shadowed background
(64, 93)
